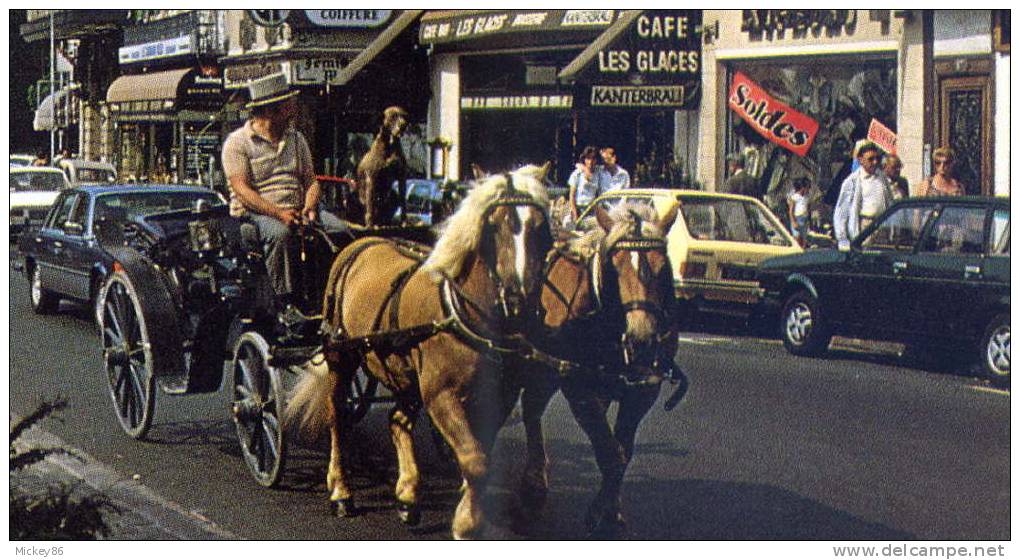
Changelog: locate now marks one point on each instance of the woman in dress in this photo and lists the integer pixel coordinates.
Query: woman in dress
(942, 183)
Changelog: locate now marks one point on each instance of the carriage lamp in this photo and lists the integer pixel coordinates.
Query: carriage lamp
(205, 236)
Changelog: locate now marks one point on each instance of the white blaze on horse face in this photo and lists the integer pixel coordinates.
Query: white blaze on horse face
(519, 256)
(634, 260)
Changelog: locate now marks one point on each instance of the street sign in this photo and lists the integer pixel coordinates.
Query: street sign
(268, 18)
(883, 136)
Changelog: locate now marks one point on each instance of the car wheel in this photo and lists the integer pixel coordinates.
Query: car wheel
(995, 351)
(43, 301)
(803, 327)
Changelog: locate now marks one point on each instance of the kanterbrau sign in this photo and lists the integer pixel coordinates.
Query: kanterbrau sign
(774, 120)
(655, 62)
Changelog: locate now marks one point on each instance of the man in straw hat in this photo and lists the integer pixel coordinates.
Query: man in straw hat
(272, 181)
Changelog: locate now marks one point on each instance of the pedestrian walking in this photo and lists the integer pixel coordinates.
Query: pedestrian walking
(943, 183)
(615, 177)
(864, 195)
(586, 183)
(271, 177)
(739, 181)
(892, 166)
(800, 209)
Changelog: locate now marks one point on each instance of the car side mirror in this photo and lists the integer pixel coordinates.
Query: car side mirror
(73, 228)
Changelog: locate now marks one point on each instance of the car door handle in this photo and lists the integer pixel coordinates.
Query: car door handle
(898, 267)
(971, 271)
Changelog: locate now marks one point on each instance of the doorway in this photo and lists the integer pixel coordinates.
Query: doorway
(965, 124)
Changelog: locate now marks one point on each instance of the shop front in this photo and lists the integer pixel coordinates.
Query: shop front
(529, 86)
(792, 91)
(169, 124)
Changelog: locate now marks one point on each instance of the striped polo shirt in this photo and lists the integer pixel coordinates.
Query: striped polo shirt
(279, 172)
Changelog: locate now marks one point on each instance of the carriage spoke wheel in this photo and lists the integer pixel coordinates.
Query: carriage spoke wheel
(127, 356)
(258, 409)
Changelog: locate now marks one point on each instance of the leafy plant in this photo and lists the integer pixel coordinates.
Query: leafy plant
(57, 514)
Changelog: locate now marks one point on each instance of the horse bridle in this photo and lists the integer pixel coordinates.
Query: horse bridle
(514, 198)
(629, 243)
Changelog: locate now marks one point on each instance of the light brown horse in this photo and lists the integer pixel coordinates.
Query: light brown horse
(608, 303)
(479, 285)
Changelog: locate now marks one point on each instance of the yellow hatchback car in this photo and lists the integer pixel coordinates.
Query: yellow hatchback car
(715, 245)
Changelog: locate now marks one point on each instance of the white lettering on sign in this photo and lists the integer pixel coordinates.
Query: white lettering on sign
(156, 49)
(316, 70)
(521, 20)
(239, 76)
(517, 102)
(348, 18)
(662, 27)
(637, 96)
(587, 17)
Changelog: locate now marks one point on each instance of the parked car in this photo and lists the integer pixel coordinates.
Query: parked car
(33, 190)
(68, 258)
(21, 160)
(930, 272)
(80, 172)
(715, 245)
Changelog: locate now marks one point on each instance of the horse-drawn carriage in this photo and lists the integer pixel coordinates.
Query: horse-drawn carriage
(459, 330)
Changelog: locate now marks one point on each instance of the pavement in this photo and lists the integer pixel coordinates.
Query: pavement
(143, 514)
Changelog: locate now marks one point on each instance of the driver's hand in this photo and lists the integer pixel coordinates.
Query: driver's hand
(289, 217)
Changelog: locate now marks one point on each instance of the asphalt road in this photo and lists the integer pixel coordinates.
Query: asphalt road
(765, 446)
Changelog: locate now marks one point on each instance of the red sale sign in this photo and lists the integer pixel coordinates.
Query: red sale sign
(882, 136)
(774, 120)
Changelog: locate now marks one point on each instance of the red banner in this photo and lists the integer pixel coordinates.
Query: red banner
(776, 121)
(881, 135)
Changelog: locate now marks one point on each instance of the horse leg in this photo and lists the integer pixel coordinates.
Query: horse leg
(402, 420)
(590, 412)
(340, 496)
(368, 200)
(633, 407)
(535, 481)
(448, 415)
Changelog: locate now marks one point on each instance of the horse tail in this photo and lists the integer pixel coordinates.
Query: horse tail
(309, 401)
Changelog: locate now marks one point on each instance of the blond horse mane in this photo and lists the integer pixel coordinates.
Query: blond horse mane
(461, 233)
(624, 223)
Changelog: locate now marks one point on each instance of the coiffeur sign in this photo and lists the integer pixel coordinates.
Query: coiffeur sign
(776, 121)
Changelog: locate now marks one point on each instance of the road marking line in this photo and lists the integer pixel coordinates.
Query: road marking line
(990, 390)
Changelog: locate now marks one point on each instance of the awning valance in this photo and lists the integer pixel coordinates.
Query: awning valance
(512, 28)
(380, 43)
(57, 103)
(150, 87)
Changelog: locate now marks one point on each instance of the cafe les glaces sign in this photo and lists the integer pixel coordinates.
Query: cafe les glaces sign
(654, 63)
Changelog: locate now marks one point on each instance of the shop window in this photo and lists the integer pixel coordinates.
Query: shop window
(842, 94)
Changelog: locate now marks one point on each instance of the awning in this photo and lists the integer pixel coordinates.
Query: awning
(512, 29)
(150, 87)
(54, 102)
(378, 45)
(570, 71)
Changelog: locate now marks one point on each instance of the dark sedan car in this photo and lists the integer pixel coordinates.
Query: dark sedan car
(67, 257)
(930, 272)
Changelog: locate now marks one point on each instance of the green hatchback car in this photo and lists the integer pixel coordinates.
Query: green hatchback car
(932, 273)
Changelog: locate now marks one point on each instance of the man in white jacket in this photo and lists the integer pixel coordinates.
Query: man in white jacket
(864, 195)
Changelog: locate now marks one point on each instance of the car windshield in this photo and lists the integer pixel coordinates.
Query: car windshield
(87, 175)
(146, 203)
(34, 182)
(723, 219)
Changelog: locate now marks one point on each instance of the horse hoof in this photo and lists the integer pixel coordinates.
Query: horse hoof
(343, 508)
(409, 514)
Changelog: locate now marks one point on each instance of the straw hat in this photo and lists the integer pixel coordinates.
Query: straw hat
(268, 90)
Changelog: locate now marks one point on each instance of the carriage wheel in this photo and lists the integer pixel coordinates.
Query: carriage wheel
(258, 409)
(127, 355)
(362, 390)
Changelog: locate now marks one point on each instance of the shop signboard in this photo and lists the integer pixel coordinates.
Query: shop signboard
(882, 136)
(166, 48)
(237, 76)
(516, 102)
(317, 71)
(776, 121)
(199, 150)
(655, 62)
(460, 27)
(348, 18)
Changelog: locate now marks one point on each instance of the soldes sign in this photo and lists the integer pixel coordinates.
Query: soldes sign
(774, 120)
